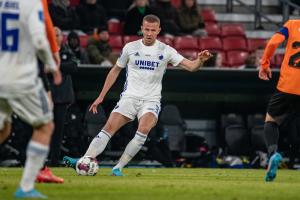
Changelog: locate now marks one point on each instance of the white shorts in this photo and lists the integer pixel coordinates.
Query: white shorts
(131, 107)
(34, 107)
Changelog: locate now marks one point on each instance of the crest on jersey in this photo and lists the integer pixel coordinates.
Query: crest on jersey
(41, 16)
(160, 57)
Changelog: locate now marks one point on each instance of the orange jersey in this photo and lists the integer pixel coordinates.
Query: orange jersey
(49, 28)
(289, 80)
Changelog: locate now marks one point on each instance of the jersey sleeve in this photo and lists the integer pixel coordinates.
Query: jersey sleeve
(35, 21)
(285, 29)
(124, 57)
(175, 57)
(274, 42)
(270, 49)
(37, 32)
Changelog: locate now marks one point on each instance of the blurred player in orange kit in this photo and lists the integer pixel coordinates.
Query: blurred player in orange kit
(51, 33)
(45, 175)
(286, 99)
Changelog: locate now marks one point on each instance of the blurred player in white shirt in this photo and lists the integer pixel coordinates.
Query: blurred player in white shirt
(21, 91)
(146, 61)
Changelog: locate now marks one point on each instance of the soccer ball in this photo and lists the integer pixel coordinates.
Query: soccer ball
(87, 166)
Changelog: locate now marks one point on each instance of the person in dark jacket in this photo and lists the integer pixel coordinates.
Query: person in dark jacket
(63, 15)
(168, 16)
(189, 19)
(91, 16)
(62, 96)
(74, 44)
(99, 50)
(115, 8)
(134, 17)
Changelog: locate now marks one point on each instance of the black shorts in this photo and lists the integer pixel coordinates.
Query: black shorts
(283, 104)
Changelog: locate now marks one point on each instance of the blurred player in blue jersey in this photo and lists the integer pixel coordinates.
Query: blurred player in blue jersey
(146, 61)
(21, 91)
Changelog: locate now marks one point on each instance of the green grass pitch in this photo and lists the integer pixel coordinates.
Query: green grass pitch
(162, 184)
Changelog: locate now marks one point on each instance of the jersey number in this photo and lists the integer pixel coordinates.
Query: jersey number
(9, 35)
(295, 58)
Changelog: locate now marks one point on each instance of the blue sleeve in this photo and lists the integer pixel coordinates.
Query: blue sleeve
(284, 31)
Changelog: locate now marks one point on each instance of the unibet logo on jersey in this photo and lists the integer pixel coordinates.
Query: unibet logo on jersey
(146, 64)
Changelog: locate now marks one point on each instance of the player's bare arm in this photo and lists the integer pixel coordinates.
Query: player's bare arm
(56, 58)
(194, 65)
(109, 81)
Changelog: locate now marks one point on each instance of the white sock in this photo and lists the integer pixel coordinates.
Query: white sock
(133, 147)
(36, 155)
(98, 144)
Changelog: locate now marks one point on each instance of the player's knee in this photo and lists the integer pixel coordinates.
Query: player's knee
(109, 128)
(269, 118)
(51, 127)
(144, 129)
(5, 132)
(47, 128)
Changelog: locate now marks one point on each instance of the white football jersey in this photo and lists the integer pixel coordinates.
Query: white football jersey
(145, 67)
(21, 20)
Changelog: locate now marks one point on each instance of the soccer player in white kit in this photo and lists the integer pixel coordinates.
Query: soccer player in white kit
(23, 37)
(146, 61)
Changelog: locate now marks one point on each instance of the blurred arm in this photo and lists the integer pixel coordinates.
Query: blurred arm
(37, 31)
(50, 28)
(270, 49)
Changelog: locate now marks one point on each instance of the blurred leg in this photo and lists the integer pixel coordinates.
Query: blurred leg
(271, 131)
(37, 151)
(60, 111)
